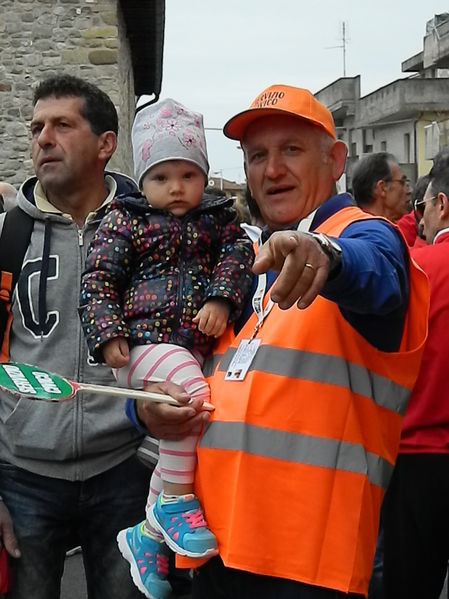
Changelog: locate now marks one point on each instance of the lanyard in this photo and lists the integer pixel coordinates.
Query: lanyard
(257, 301)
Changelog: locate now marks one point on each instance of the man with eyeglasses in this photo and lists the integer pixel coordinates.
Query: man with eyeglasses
(415, 510)
(380, 187)
(419, 206)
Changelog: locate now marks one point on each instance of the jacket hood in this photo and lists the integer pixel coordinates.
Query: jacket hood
(125, 185)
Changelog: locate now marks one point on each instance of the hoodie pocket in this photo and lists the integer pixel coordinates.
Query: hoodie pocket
(41, 430)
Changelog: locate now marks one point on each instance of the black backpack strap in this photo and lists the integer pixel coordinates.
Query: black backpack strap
(14, 240)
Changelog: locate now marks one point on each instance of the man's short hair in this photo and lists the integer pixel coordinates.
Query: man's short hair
(368, 172)
(419, 188)
(441, 160)
(439, 173)
(98, 109)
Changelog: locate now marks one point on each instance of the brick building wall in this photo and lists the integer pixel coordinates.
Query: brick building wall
(86, 38)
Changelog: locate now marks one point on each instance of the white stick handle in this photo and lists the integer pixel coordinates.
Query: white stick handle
(135, 394)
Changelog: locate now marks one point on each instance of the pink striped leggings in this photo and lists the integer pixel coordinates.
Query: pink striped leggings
(167, 362)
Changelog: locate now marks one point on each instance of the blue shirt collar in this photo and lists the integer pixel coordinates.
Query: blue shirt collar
(325, 211)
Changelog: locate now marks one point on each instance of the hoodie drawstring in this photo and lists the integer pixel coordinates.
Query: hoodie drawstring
(43, 277)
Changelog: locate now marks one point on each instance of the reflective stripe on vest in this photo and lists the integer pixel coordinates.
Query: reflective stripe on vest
(322, 368)
(297, 447)
(297, 456)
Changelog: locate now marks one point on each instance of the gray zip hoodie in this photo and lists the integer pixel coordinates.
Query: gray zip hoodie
(86, 435)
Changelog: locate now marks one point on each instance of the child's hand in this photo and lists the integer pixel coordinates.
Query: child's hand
(116, 352)
(213, 317)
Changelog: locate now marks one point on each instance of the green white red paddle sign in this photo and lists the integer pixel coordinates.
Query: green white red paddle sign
(33, 382)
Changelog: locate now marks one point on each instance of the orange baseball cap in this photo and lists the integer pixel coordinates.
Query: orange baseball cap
(282, 99)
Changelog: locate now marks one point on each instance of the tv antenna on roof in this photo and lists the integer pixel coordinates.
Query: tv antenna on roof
(344, 41)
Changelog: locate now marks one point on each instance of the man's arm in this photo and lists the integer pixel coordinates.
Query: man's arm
(372, 278)
(370, 284)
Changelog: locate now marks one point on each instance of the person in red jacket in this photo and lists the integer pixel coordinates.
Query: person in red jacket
(415, 510)
(380, 187)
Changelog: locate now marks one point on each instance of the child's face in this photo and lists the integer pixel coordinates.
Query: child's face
(174, 185)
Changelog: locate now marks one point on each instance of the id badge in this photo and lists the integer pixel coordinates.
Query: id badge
(242, 359)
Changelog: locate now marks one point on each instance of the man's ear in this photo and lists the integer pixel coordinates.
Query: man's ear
(337, 154)
(107, 144)
(380, 189)
(443, 206)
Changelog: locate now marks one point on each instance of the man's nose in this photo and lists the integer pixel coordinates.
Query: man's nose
(45, 136)
(275, 165)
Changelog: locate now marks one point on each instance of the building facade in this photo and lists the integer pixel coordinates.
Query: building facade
(407, 117)
(118, 45)
(223, 186)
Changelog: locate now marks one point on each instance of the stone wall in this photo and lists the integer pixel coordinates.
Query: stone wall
(85, 38)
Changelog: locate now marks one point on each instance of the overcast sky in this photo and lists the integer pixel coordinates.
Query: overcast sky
(219, 54)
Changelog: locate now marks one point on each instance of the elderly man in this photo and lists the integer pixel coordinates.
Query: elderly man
(380, 187)
(310, 390)
(415, 514)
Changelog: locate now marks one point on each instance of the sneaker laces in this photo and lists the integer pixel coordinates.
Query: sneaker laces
(195, 518)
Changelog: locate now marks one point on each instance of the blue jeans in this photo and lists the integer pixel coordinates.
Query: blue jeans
(51, 515)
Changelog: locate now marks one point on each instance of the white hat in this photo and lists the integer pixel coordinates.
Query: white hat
(167, 131)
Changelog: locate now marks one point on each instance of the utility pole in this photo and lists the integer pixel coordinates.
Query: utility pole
(343, 45)
(344, 41)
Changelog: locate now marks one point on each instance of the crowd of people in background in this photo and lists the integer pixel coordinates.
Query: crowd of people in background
(301, 332)
(412, 551)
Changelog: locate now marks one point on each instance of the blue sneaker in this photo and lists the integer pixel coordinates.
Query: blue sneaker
(148, 560)
(182, 524)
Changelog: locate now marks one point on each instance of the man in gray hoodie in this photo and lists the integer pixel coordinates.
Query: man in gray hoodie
(67, 471)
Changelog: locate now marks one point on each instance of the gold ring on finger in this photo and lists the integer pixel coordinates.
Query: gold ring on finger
(308, 265)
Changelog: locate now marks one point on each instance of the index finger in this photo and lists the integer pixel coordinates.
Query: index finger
(274, 252)
(303, 274)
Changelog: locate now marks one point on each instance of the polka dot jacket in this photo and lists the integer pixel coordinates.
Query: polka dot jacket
(148, 273)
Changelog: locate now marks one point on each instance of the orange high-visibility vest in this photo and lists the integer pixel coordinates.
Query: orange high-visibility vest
(294, 463)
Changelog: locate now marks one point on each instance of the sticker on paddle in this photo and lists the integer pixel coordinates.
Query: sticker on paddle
(33, 382)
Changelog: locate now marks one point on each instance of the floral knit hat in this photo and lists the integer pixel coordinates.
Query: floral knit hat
(167, 131)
